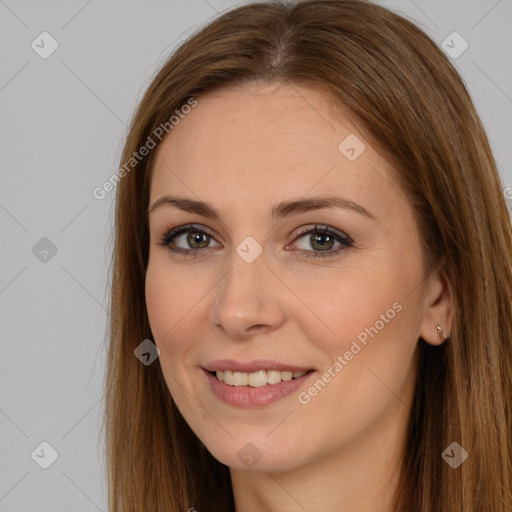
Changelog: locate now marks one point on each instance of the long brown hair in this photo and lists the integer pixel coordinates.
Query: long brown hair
(407, 99)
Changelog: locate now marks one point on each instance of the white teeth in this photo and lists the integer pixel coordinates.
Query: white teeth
(273, 376)
(257, 379)
(240, 379)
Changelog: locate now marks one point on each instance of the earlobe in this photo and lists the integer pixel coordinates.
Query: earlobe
(441, 334)
(438, 313)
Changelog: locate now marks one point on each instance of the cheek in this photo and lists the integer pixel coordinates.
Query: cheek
(170, 298)
(374, 317)
(169, 304)
(353, 303)
(370, 320)
(158, 299)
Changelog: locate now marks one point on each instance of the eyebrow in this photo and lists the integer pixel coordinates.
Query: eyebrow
(280, 210)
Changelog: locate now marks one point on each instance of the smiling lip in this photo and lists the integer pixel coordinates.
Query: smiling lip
(252, 366)
(248, 396)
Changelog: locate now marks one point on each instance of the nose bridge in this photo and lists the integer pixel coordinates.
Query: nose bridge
(246, 296)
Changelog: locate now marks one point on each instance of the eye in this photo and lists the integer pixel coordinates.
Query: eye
(195, 240)
(323, 240)
(189, 235)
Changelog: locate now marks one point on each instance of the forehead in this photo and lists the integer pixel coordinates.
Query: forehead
(267, 143)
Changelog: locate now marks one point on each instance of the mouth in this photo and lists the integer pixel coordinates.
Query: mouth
(258, 378)
(255, 387)
(255, 383)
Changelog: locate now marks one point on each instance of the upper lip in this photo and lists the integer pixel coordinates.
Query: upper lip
(252, 366)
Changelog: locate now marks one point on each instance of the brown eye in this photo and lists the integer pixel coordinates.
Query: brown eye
(197, 237)
(323, 240)
(191, 239)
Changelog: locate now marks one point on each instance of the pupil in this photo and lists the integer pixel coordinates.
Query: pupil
(318, 239)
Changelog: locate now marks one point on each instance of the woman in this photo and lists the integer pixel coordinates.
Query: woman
(312, 264)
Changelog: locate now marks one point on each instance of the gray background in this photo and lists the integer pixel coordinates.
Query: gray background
(62, 125)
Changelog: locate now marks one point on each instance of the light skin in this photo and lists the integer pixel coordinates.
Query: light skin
(243, 151)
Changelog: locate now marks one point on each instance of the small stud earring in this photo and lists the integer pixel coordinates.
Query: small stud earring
(440, 333)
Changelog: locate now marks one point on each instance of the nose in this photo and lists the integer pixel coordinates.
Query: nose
(250, 299)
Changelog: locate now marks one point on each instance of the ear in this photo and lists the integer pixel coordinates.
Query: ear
(438, 308)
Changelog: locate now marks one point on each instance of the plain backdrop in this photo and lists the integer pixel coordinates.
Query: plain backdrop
(62, 123)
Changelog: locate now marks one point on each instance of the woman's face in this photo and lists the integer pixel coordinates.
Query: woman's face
(261, 285)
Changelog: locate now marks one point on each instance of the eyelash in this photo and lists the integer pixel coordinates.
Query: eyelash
(343, 239)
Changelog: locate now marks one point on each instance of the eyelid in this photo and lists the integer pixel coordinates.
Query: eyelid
(323, 228)
(171, 233)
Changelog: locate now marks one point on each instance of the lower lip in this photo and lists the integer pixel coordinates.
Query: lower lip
(247, 396)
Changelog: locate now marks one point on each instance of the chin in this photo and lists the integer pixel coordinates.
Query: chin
(254, 453)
